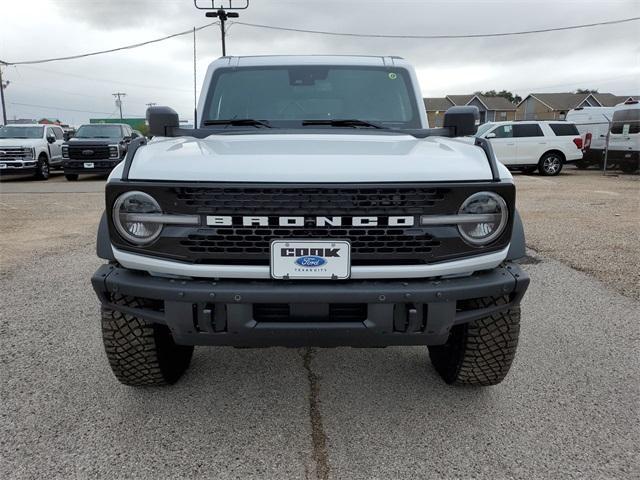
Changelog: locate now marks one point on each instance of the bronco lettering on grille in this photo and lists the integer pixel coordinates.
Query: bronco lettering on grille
(262, 221)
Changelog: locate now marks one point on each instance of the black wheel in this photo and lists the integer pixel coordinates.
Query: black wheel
(582, 165)
(479, 353)
(550, 164)
(42, 168)
(72, 177)
(529, 170)
(629, 167)
(141, 353)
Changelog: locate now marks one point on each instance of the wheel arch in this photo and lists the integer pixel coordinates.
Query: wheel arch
(103, 244)
(554, 150)
(517, 247)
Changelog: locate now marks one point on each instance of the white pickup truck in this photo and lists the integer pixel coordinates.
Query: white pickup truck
(310, 206)
(30, 149)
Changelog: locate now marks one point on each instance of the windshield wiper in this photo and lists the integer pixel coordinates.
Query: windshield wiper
(239, 122)
(354, 123)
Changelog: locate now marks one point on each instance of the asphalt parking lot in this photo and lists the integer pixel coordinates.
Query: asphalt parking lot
(568, 409)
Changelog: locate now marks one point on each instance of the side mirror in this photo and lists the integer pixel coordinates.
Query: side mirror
(462, 120)
(66, 137)
(161, 120)
(51, 139)
(490, 135)
(127, 139)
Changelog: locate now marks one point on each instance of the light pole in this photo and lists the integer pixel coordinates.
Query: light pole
(119, 101)
(3, 85)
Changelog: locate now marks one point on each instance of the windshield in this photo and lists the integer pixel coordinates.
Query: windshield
(9, 131)
(286, 96)
(626, 121)
(99, 131)
(482, 129)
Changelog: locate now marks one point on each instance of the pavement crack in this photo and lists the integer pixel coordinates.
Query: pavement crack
(318, 437)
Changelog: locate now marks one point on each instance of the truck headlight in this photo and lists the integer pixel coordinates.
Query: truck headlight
(114, 151)
(483, 218)
(65, 151)
(30, 153)
(128, 217)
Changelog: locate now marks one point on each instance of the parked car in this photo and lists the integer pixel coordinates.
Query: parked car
(534, 145)
(30, 149)
(624, 139)
(96, 148)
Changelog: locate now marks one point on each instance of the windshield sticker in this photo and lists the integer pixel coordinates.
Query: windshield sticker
(393, 76)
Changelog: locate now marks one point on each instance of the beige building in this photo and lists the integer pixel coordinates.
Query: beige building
(492, 109)
(554, 106)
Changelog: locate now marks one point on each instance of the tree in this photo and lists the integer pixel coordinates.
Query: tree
(587, 90)
(513, 98)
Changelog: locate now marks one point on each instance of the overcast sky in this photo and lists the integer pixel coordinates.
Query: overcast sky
(606, 58)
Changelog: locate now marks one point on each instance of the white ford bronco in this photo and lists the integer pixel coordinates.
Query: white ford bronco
(310, 206)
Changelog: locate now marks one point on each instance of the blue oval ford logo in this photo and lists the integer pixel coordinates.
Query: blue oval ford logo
(311, 261)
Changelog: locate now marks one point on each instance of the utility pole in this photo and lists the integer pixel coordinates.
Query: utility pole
(223, 15)
(119, 101)
(3, 85)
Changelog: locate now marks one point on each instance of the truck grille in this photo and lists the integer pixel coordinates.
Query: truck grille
(88, 152)
(300, 201)
(15, 153)
(250, 245)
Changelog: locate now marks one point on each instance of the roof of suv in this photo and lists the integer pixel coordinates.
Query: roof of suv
(520, 122)
(259, 60)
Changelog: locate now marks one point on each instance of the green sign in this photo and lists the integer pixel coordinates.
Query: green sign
(135, 123)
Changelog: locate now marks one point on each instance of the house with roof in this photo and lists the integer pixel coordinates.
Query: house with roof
(554, 106)
(492, 109)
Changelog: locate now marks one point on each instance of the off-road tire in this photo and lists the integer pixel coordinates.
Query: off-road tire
(42, 168)
(550, 164)
(72, 177)
(141, 353)
(479, 353)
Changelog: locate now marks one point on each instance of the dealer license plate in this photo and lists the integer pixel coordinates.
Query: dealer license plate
(310, 259)
(88, 165)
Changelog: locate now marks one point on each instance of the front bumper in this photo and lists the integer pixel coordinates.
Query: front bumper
(22, 167)
(102, 166)
(263, 313)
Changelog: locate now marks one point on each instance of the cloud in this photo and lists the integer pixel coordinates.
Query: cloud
(603, 57)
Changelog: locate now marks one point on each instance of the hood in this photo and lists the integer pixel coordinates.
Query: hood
(311, 158)
(21, 142)
(93, 141)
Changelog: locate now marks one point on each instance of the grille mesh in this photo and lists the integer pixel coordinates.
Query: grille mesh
(99, 151)
(292, 201)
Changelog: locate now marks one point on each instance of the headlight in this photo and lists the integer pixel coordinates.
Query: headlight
(65, 151)
(114, 152)
(483, 218)
(30, 153)
(128, 220)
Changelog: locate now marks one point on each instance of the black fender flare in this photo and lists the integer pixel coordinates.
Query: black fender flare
(517, 248)
(103, 244)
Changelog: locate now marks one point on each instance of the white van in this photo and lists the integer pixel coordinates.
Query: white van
(624, 139)
(593, 125)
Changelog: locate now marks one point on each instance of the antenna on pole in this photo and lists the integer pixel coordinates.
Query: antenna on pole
(218, 9)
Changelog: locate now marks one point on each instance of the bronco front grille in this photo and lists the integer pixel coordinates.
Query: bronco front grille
(250, 245)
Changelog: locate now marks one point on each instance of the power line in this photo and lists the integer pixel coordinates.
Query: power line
(322, 32)
(432, 37)
(111, 50)
(64, 109)
(96, 79)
